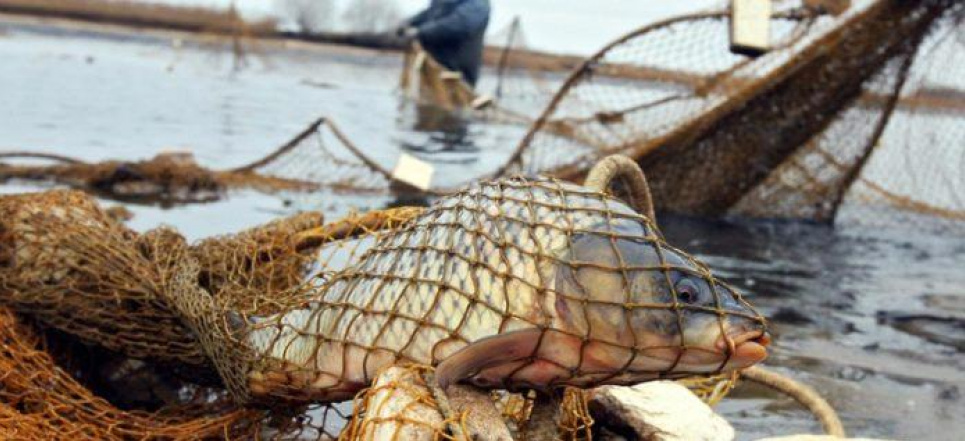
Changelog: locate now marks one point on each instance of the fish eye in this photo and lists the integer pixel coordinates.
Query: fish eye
(687, 290)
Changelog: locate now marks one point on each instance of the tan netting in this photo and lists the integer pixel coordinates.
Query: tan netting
(319, 158)
(812, 182)
(513, 91)
(525, 79)
(642, 87)
(914, 168)
(70, 266)
(868, 160)
(399, 405)
(40, 401)
(323, 157)
(835, 115)
(427, 81)
(583, 267)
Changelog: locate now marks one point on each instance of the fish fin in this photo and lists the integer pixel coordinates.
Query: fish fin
(487, 352)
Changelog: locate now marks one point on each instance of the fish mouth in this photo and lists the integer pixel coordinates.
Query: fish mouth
(744, 349)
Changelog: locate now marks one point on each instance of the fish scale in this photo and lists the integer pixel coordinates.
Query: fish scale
(478, 264)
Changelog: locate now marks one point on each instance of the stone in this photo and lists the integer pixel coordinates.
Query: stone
(657, 411)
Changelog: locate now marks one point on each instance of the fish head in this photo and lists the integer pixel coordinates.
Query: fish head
(621, 307)
(615, 304)
(640, 309)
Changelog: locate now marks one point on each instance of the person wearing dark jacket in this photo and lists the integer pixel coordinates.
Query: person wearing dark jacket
(452, 32)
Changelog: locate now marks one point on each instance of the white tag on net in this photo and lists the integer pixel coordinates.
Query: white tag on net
(413, 171)
(750, 26)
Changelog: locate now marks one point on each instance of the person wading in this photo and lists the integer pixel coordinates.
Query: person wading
(452, 32)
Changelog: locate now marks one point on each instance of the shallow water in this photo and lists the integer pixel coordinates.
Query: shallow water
(874, 319)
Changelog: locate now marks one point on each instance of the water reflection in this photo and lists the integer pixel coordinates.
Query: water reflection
(446, 131)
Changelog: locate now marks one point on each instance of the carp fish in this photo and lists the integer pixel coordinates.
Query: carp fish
(515, 284)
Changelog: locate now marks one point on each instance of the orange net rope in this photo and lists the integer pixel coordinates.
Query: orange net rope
(40, 401)
(73, 268)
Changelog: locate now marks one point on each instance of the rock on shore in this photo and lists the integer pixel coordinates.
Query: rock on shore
(657, 411)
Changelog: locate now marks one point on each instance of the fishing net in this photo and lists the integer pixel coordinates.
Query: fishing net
(835, 115)
(70, 266)
(323, 157)
(73, 269)
(516, 85)
(863, 163)
(319, 158)
(40, 401)
(641, 87)
(897, 178)
(522, 80)
(168, 178)
(399, 405)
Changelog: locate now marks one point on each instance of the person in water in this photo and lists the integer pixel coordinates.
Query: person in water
(452, 32)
